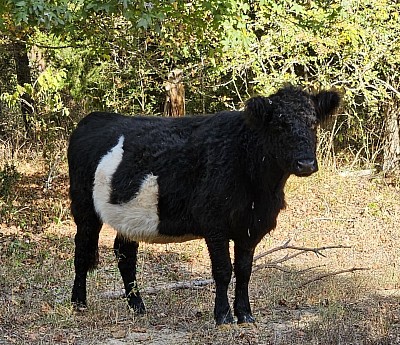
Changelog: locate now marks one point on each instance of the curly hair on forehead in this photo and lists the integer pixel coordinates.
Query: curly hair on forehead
(291, 103)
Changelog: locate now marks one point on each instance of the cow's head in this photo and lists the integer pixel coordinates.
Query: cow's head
(287, 122)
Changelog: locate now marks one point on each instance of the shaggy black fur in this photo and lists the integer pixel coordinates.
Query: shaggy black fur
(220, 177)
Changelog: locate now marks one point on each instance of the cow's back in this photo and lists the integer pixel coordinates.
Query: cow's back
(93, 137)
(193, 159)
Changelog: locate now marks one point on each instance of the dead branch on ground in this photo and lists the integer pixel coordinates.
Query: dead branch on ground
(276, 264)
(191, 284)
(330, 274)
(300, 251)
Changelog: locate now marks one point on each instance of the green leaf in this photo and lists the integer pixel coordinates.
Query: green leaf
(142, 23)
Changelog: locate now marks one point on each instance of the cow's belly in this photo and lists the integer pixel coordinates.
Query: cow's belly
(138, 218)
(171, 239)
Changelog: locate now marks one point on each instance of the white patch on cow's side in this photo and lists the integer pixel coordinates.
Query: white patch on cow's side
(136, 219)
(104, 173)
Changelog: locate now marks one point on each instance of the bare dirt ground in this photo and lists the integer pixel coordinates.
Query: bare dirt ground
(293, 303)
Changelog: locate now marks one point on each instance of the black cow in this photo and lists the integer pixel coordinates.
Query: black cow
(219, 177)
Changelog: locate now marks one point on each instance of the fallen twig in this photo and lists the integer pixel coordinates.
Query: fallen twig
(330, 274)
(283, 246)
(191, 284)
(301, 250)
(316, 251)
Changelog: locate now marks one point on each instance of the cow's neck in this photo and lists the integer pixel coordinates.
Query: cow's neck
(274, 178)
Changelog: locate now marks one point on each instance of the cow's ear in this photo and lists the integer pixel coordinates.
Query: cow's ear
(326, 104)
(258, 111)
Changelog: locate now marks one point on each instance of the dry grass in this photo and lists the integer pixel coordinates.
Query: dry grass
(36, 273)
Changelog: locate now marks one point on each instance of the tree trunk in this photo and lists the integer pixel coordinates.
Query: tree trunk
(175, 94)
(391, 153)
(23, 72)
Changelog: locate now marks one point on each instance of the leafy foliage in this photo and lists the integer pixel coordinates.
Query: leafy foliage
(115, 55)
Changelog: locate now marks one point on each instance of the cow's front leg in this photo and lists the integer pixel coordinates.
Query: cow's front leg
(243, 265)
(222, 272)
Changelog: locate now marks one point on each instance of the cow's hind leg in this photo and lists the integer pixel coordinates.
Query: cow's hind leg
(243, 265)
(126, 253)
(222, 272)
(86, 251)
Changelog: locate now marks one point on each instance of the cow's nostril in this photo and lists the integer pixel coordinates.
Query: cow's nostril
(306, 166)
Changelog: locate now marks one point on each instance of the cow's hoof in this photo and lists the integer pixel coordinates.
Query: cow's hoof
(225, 320)
(79, 306)
(137, 307)
(246, 319)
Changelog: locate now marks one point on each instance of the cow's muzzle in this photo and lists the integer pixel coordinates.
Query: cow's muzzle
(305, 167)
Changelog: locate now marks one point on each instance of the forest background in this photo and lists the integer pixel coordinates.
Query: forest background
(60, 59)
